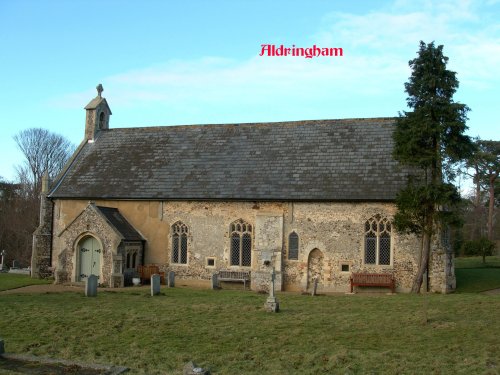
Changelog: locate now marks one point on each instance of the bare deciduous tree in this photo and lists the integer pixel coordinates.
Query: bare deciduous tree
(19, 202)
(44, 152)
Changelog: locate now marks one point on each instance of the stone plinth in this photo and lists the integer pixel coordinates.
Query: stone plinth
(272, 304)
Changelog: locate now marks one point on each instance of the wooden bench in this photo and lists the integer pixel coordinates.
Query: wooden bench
(373, 279)
(229, 275)
(146, 271)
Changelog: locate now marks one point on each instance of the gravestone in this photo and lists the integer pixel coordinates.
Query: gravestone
(272, 304)
(155, 284)
(215, 281)
(3, 253)
(15, 264)
(2, 347)
(91, 286)
(314, 287)
(171, 279)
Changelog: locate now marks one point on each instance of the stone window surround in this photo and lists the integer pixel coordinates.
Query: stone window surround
(378, 218)
(294, 231)
(132, 255)
(186, 232)
(249, 230)
(210, 258)
(345, 263)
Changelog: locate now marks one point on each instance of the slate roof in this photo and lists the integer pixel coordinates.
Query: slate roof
(94, 103)
(317, 160)
(122, 226)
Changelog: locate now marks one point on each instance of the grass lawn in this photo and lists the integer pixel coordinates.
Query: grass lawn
(475, 276)
(13, 281)
(229, 331)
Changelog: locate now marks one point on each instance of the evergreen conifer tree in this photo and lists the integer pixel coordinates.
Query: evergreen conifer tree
(430, 138)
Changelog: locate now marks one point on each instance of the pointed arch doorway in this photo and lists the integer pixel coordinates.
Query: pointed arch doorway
(90, 253)
(314, 268)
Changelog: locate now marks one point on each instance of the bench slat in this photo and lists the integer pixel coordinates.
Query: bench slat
(372, 279)
(228, 275)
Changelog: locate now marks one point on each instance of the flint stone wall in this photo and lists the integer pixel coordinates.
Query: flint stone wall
(66, 251)
(334, 229)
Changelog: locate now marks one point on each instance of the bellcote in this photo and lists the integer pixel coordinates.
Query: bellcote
(98, 113)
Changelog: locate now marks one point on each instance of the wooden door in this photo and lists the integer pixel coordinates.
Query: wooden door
(90, 258)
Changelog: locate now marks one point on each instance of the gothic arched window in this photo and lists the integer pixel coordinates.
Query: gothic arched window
(378, 241)
(293, 246)
(241, 243)
(179, 243)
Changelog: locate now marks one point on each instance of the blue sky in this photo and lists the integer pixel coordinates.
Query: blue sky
(197, 62)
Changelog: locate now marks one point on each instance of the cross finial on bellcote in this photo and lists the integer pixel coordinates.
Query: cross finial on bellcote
(99, 90)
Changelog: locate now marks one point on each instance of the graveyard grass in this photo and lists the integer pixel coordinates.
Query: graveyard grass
(13, 281)
(229, 332)
(475, 276)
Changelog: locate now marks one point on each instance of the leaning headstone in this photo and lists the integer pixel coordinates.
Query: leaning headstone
(215, 281)
(91, 286)
(272, 304)
(171, 279)
(155, 284)
(2, 347)
(315, 287)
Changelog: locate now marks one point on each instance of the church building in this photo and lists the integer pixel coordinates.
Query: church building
(313, 200)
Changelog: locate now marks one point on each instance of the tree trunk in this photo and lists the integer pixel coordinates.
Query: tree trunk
(424, 261)
(491, 205)
(476, 232)
(424, 256)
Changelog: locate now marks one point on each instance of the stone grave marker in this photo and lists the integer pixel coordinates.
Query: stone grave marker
(155, 284)
(314, 287)
(3, 253)
(171, 279)
(91, 286)
(215, 281)
(272, 303)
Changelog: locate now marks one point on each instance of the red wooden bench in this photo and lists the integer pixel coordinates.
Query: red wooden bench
(146, 271)
(373, 279)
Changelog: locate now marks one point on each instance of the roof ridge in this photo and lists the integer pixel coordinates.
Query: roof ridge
(268, 123)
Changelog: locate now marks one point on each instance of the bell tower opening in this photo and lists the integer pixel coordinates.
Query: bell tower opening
(97, 118)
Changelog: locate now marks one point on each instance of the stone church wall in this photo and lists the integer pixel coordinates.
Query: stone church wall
(333, 232)
(66, 251)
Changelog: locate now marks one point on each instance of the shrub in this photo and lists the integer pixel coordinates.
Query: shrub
(481, 246)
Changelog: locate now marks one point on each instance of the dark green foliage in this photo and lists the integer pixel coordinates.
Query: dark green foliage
(417, 201)
(430, 138)
(481, 246)
(432, 135)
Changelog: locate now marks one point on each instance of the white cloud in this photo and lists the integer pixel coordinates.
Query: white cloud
(377, 47)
